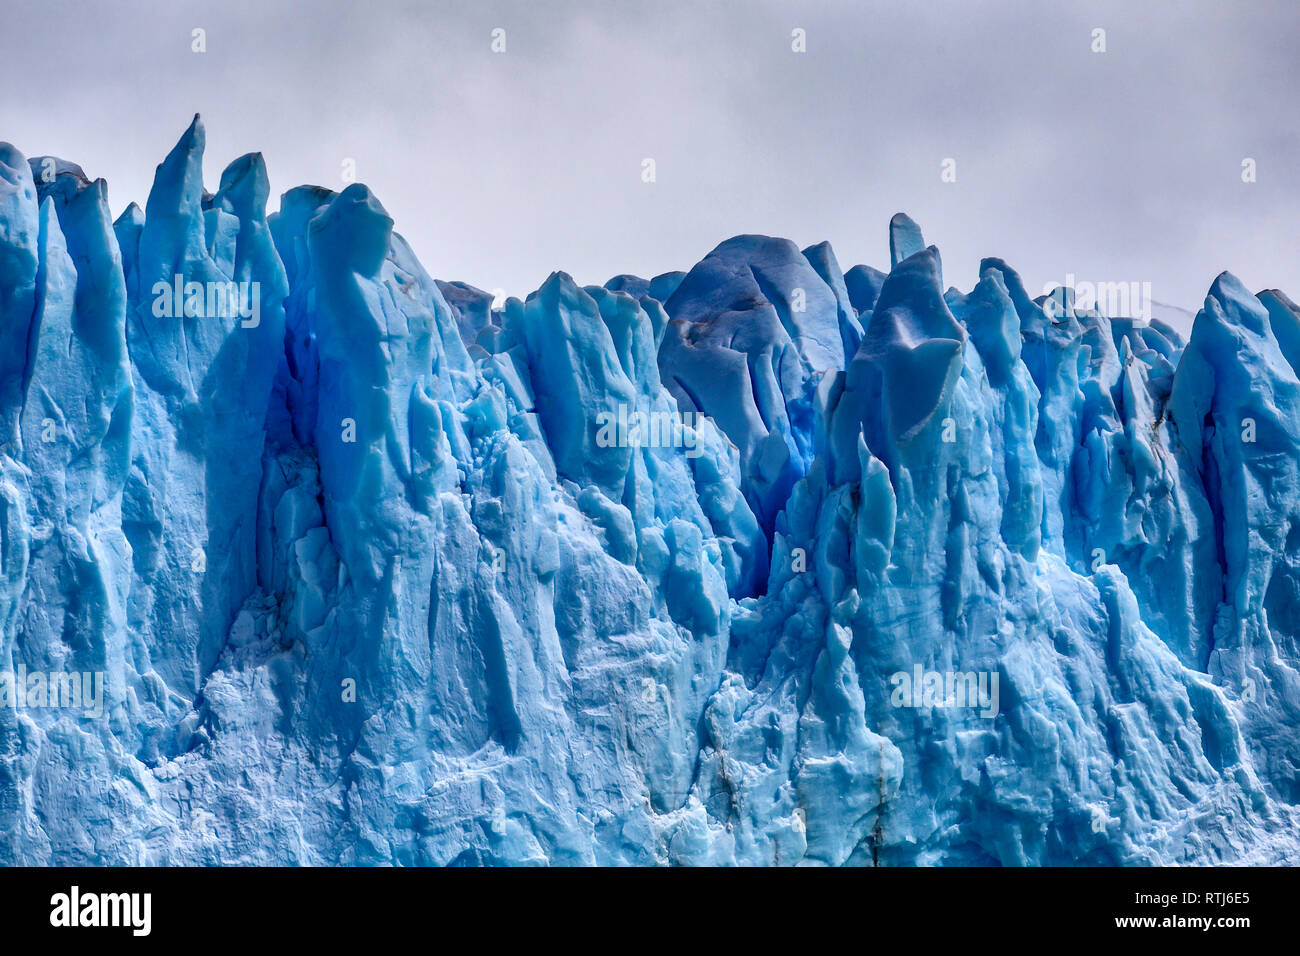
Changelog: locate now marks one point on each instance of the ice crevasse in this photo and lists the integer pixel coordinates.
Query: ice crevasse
(762, 563)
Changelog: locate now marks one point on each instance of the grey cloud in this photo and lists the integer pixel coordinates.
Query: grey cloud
(1123, 166)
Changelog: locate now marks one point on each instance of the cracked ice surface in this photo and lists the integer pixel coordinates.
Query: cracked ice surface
(366, 584)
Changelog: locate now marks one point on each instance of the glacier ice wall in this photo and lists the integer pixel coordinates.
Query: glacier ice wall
(374, 573)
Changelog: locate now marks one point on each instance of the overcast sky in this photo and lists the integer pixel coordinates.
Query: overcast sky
(499, 168)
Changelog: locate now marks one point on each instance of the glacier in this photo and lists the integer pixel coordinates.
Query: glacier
(870, 572)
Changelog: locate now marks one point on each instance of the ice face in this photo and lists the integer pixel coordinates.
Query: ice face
(764, 562)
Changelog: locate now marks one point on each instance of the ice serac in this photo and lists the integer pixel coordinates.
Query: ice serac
(822, 258)
(203, 375)
(760, 563)
(905, 239)
(1236, 404)
(18, 267)
(751, 330)
(863, 286)
(76, 421)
